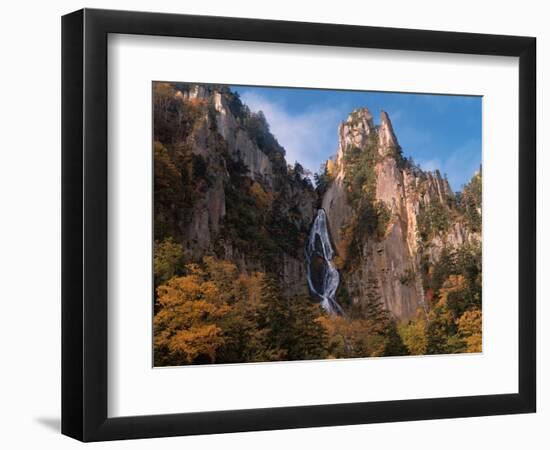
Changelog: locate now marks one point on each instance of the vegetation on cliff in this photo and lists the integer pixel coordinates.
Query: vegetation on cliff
(229, 213)
(260, 220)
(446, 266)
(371, 216)
(209, 308)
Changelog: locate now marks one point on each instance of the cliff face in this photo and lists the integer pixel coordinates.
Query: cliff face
(373, 184)
(223, 188)
(239, 200)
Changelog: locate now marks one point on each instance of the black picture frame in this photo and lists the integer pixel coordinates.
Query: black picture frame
(84, 224)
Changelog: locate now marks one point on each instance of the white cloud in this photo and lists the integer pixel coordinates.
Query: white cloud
(309, 137)
(431, 165)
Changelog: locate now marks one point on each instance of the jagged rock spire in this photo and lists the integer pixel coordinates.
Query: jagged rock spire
(361, 118)
(386, 135)
(355, 131)
(195, 91)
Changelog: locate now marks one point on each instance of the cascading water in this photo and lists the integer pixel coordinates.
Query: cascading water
(322, 277)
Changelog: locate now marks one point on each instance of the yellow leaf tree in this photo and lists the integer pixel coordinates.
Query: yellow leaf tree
(414, 334)
(185, 325)
(469, 328)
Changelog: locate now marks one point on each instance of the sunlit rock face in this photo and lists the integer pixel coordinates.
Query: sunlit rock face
(220, 140)
(395, 258)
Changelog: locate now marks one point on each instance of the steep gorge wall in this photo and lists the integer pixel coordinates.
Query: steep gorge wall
(394, 258)
(239, 185)
(241, 202)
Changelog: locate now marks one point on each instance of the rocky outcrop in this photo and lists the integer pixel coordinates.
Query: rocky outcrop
(240, 145)
(406, 191)
(224, 143)
(354, 132)
(241, 202)
(386, 136)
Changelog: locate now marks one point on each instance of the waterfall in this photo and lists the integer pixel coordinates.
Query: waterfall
(322, 277)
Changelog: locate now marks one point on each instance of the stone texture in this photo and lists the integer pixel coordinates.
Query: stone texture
(395, 260)
(202, 227)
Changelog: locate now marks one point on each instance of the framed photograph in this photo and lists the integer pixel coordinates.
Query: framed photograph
(273, 224)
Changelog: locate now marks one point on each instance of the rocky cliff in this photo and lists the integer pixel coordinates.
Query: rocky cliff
(230, 192)
(387, 217)
(223, 188)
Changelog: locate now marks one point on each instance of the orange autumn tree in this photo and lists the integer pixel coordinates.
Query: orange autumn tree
(216, 313)
(191, 307)
(207, 315)
(185, 326)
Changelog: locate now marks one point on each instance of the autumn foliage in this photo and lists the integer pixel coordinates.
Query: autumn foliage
(231, 306)
(215, 313)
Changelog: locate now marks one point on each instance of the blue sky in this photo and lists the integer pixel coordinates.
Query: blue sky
(439, 131)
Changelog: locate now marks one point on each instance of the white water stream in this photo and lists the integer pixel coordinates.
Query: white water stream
(319, 245)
